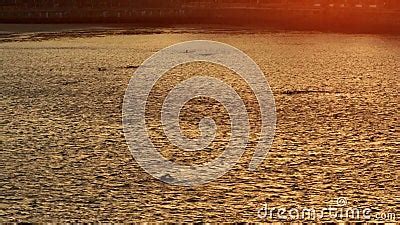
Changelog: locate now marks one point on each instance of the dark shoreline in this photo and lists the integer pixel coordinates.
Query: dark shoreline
(10, 32)
(388, 29)
(344, 20)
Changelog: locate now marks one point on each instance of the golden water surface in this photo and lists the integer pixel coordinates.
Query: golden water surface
(63, 154)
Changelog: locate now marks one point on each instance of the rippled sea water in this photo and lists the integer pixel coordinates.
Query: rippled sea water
(64, 157)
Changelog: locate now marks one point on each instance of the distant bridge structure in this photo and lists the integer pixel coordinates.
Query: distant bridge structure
(373, 15)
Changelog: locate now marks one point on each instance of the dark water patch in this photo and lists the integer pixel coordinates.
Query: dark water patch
(300, 92)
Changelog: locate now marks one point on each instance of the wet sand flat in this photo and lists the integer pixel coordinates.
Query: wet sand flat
(64, 157)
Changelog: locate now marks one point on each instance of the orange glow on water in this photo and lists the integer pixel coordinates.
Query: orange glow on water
(368, 15)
